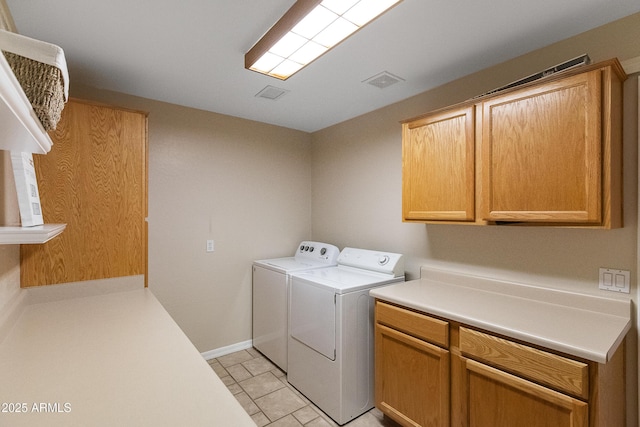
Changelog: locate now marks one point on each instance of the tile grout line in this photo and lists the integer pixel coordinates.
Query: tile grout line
(264, 393)
(309, 412)
(251, 368)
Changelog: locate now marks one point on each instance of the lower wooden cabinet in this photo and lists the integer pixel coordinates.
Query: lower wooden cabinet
(412, 367)
(418, 393)
(436, 372)
(504, 383)
(494, 398)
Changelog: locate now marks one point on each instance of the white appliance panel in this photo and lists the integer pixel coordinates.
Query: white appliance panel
(289, 264)
(345, 279)
(341, 386)
(381, 262)
(269, 314)
(313, 317)
(271, 279)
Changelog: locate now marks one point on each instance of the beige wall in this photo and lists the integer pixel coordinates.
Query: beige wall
(245, 185)
(6, 20)
(9, 254)
(257, 190)
(357, 190)
(9, 276)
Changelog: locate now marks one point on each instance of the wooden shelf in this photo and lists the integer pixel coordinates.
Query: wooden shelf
(21, 128)
(30, 235)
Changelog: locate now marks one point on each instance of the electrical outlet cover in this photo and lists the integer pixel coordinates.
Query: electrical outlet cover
(614, 280)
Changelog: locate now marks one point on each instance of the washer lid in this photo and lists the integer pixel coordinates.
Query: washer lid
(288, 264)
(343, 279)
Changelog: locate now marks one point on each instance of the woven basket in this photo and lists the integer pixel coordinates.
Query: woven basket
(43, 85)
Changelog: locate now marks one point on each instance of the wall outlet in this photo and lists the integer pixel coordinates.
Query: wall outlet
(614, 280)
(210, 246)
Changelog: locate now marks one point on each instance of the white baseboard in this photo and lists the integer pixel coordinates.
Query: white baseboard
(212, 354)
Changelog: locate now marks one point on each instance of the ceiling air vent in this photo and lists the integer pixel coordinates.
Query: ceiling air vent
(271, 92)
(383, 80)
(575, 62)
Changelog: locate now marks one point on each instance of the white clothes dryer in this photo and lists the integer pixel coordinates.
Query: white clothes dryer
(330, 355)
(271, 296)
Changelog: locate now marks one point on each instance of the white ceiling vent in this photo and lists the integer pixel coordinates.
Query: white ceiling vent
(271, 92)
(383, 80)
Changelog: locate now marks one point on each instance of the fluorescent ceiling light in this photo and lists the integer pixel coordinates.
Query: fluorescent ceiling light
(308, 30)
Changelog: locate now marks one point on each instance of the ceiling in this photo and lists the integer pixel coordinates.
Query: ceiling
(191, 52)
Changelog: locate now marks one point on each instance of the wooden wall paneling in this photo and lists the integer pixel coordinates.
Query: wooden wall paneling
(95, 180)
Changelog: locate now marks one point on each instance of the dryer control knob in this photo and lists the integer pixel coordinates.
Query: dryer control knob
(383, 259)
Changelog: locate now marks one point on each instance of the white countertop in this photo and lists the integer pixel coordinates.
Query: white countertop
(116, 359)
(584, 326)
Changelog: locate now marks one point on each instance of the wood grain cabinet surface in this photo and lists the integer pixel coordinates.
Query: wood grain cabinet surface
(95, 180)
(548, 152)
(411, 374)
(436, 372)
(438, 164)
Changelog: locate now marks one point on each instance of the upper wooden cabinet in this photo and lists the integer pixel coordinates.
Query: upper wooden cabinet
(548, 152)
(541, 149)
(438, 155)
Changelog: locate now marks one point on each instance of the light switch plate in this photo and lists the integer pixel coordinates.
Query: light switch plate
(614, 280)
(210, 246)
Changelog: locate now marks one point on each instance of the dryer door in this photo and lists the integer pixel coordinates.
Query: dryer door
(312, 316)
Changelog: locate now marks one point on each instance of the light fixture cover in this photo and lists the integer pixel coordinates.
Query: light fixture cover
(308, 30)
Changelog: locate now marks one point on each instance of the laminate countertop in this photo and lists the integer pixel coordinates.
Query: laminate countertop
(116, 359)
(585, 326)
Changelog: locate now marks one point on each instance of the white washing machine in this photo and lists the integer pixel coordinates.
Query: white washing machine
(331, 330)
(271, 296)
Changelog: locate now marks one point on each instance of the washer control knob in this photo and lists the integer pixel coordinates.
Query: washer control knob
(384, 259)
(311, 248)
(323, 251)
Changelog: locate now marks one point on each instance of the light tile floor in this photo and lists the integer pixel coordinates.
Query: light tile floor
(263, 391)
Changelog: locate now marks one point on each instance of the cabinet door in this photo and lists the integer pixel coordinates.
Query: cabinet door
(411, 379)
(541, 153)
(94, 180)
(493, 398)
(438, 182)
